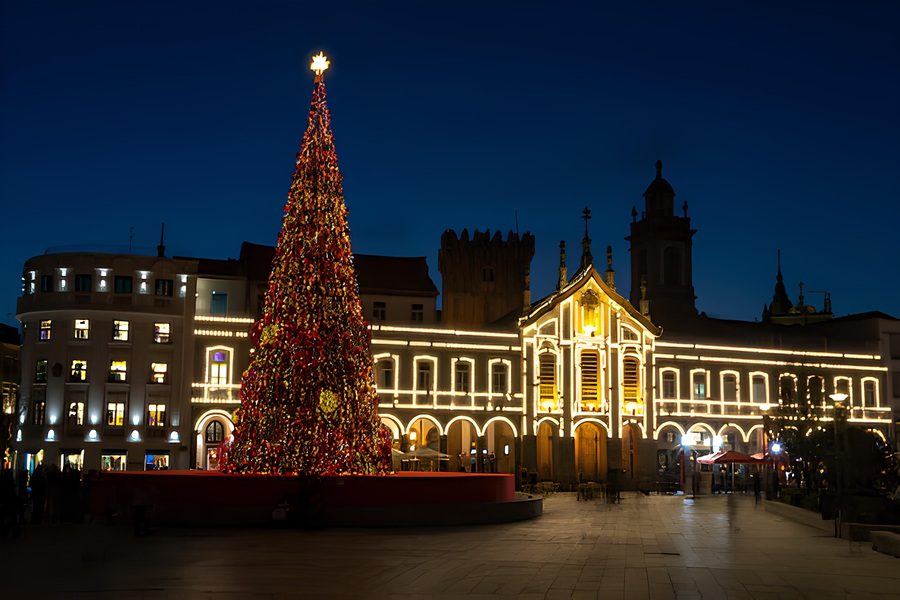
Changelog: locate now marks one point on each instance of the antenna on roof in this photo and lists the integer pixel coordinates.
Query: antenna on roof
(517, 222)
(130, 236)
(161, 249)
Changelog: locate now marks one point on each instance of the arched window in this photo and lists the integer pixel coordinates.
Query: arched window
(547, 381)
(672, 266)
(669, 385)
(590, 380)
(815, 390)
(758, 388)
(870, 393)
(787, 389)
(219, 360)
(215, 432)
(729, 387)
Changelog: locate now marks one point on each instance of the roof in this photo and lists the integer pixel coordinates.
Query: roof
(9, 335)
(385, 275)
(547, 303)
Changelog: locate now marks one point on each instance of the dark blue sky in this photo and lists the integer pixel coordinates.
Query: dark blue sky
(780, 125)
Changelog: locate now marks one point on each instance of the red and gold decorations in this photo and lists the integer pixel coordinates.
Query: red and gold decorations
(308, 401)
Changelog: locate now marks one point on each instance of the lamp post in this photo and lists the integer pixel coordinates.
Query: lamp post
(838, 399)
(688, 455)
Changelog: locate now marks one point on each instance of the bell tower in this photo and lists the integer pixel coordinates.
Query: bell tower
(660, 246)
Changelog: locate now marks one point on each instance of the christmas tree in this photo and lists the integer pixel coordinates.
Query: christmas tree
(308, 401)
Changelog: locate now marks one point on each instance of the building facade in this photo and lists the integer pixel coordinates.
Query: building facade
(135, 362)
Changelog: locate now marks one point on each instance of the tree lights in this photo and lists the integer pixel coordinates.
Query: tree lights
(308, 400)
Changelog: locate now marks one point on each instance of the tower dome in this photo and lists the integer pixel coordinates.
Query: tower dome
(660, 196)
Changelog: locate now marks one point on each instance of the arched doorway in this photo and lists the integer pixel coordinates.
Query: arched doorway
(545, 440)
(213, 429)
(590, 452)
(501, 445)
(462, 439)
(631, 435)
(425, 439)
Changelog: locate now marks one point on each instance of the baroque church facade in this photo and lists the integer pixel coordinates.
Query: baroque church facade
(574, 386)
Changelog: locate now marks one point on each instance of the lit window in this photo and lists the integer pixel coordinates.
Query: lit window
(498, 378)
(631, 386)
(115, 414)
(82, 283)
(215, 432)
(156, 461)
(45, 330)
(669, 385)
(379, 311)
(113, 461)
(123, 284)
(418, 313)
(590, 312)
(547, 378)
(78, 372)
(118, 371)
(75, 416)
(120, 331)
(423, 376)
(463, 376)
(218, 304)
(218, 368)
(40, 371)
(37, 412)
(158, 372)
(698, 380)
(165, 287)
(156, 415)
(82, 329)
(161, 333)
(590, 380)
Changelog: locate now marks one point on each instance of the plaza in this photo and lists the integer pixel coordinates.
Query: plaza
(645, 547)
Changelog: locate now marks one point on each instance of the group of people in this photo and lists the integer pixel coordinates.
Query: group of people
(47, 494)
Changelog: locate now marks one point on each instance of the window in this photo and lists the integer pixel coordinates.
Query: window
(386, 368)
(463, 376)
(156, 415)
(590, 379)
(161, 333)
(158, 372)
(75, 416)
(218, 304)
(215, 432)
(45, 330)
(38, 408)
(629, 336)
(112, 460)
(631, 382)
(40, 371)
(815, 390)
(78, 371)
(698, 380)
(118, 371)
(379, 311)
(423, 376)
(165, 287)
(498, 378)
(120, 331)
(218, 368)
(156, 461)
(547, 381)
(729, 387)
(672, 266)
(869, 399)
(123, 284)
(418, 313)
(669, 385)
(82, 329)
(46, 283)
(115, 414)
(758, 389)
(82, 283)
(787, 388)
(842, 386)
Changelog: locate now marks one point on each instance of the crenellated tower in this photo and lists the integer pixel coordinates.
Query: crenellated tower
(485, 278)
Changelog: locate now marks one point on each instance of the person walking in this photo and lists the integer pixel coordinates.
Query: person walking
(757, 485)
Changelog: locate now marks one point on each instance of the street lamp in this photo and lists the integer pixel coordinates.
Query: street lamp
(838, 398)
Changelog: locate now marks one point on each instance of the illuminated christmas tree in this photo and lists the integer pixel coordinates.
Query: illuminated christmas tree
(308, 401)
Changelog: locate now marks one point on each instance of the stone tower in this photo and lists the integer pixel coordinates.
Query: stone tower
(485, 278)
(660, 245)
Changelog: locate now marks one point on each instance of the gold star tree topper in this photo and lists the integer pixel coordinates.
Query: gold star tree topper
(319, 65)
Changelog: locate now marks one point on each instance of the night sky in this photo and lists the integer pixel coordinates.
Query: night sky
(780, 125)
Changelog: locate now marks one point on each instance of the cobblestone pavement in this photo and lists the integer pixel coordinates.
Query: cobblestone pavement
(645, 547)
